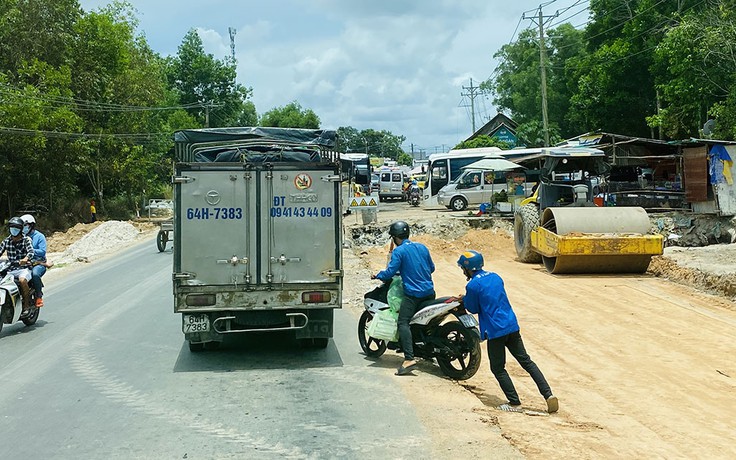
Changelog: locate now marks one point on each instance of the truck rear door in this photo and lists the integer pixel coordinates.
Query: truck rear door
(214, 226)
(299, 224)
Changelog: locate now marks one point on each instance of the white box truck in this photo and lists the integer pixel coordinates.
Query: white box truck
(257, 233)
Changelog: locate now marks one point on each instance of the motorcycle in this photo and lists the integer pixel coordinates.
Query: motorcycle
(454, 344)
(415, 195)
(11, 301)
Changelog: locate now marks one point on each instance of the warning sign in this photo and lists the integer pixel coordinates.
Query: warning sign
(363, 202)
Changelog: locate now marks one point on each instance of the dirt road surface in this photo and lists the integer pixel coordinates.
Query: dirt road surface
(643, 367)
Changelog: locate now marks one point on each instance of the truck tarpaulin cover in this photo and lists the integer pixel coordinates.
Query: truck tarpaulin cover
(239, 144)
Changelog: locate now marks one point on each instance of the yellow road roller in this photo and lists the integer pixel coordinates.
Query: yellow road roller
(560, 226)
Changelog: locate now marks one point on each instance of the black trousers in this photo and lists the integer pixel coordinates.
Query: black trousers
(497, 356)
(409, 306)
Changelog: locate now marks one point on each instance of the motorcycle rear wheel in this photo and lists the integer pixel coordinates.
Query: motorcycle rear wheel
(31, 319)
(460, 356)
(372, 348)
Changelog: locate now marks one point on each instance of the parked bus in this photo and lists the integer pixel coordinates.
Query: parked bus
(445, 167)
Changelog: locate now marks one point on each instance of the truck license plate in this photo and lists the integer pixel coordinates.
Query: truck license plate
(468, 320)
(196, 323)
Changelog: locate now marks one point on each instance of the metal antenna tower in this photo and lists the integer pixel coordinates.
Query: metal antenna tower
(232, 32)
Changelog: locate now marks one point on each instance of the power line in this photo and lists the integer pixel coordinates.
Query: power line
(138, 137)
(91, 106)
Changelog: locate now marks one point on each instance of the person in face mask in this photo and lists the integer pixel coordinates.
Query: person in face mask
(39, 263)
(20, 252)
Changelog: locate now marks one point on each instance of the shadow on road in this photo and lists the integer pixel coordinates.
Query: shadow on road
(257, 351)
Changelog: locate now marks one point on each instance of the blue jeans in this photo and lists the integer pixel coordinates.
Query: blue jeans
(38, 272)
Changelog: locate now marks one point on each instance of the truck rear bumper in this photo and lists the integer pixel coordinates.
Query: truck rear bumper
(313, 323)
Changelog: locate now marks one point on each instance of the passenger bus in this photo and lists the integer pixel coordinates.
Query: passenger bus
(446, 167)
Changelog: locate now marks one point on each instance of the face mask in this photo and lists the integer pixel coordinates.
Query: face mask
(14, 231)
(26, 229)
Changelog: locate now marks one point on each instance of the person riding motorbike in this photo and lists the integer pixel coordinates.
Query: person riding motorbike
(20, 252)
(414, 263)
(414, 191)
(39, 263)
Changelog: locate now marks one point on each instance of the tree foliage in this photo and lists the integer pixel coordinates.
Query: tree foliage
(640, 67)
(87, 108)
(375, 143)
(292, 115)
(483, 141)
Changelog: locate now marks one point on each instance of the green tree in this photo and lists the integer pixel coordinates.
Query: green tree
(696, 73)
(208, 85)
(292, 115)
(517, 83)
(482, 141)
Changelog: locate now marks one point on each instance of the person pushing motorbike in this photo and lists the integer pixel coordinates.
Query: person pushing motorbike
(485, 296)
(20, 252)
(414, 263)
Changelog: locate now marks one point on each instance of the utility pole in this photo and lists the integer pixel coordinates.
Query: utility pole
(541, 19)
(232, 31)
(472, 92)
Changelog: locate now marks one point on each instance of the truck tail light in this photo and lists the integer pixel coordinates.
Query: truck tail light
(316, 297)
(200, 300)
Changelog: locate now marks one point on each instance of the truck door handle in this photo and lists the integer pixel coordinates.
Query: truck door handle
(233, 261)
(283, 259)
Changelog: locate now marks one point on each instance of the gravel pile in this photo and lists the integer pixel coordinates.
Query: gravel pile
(106, 238)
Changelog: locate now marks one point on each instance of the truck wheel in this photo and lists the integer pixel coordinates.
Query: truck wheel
(458, 203)
(526, 219)
(211, 346)
(196, 347)
(321, 342)
(161, 239)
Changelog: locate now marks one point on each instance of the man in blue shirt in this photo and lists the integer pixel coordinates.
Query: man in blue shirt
(485, 295)
(39, 255)
(413, 262)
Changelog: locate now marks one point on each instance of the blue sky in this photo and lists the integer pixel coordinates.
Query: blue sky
(381, 64)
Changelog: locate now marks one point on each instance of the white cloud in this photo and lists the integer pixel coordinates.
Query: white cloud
(381, 64)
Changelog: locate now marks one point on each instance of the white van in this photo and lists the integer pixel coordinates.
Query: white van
(391, 185)
(474, 187)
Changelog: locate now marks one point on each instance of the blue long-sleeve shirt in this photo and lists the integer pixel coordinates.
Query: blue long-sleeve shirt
(485, 295)
(413, 262)
(39, 245)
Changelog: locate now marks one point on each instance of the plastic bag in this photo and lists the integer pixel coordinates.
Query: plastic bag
(395, 294)
(384, 326)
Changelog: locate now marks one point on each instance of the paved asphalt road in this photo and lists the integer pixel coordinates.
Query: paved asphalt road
(106, 373)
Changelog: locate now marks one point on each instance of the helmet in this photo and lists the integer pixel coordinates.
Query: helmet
(399, 229)
(27, 219)
(472, 260)
(414, 182)
(15, 222)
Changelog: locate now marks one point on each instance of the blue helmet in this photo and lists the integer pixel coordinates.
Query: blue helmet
(472, 260)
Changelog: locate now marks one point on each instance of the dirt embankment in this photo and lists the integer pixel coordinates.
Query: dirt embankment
(643, 367)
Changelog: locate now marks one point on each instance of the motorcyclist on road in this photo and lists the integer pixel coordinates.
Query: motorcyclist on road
(20, 252)
(39, 263)
(486, 296)
(414, 263)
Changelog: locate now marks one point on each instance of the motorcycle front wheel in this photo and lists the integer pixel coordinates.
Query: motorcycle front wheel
(459, 357)
(372, 348)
